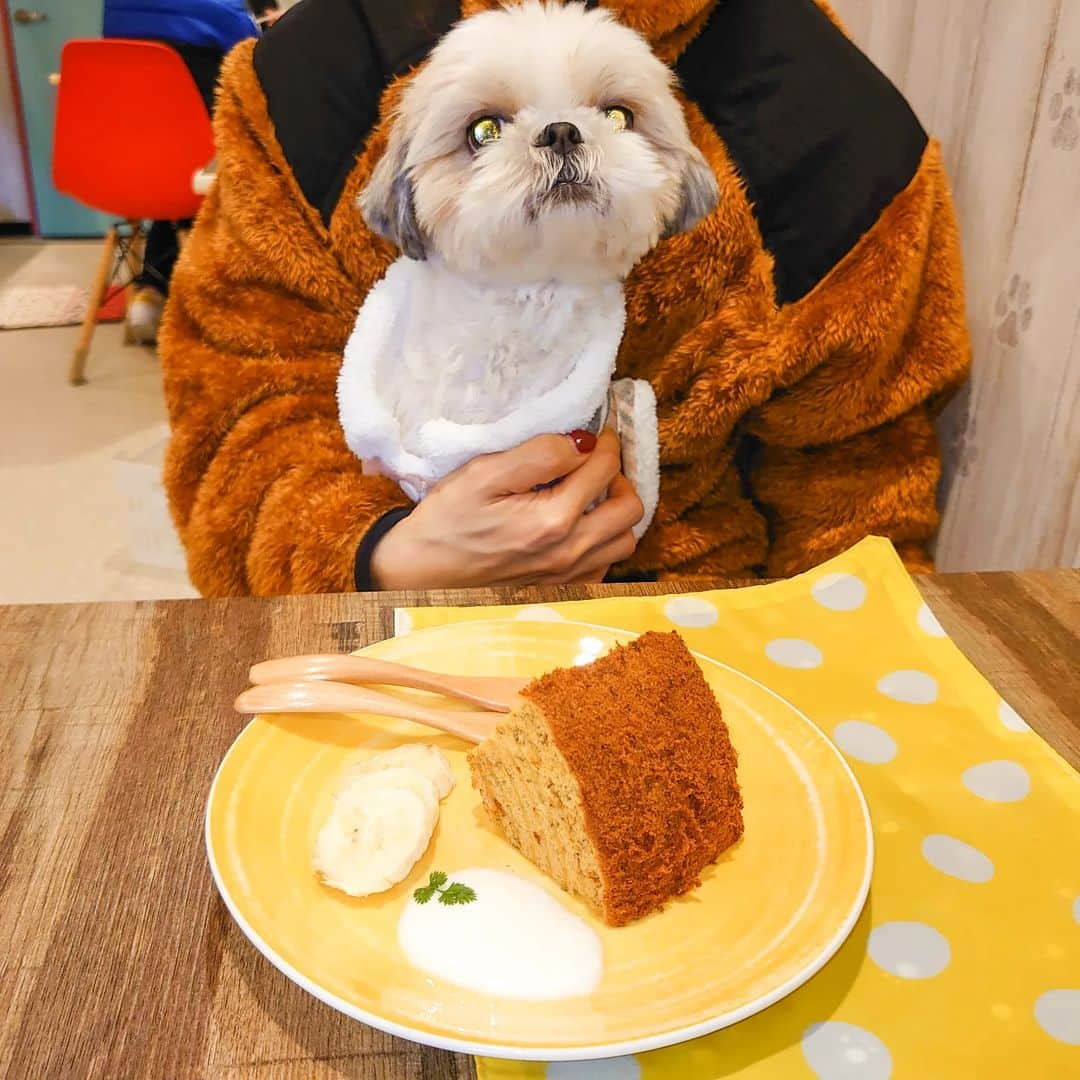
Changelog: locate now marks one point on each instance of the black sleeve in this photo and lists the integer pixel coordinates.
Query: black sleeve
(323, 67)
(362, 566)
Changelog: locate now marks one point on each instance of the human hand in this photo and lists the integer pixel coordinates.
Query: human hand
(485, 524)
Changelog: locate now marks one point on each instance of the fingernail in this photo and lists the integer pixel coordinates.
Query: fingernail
(584, 441)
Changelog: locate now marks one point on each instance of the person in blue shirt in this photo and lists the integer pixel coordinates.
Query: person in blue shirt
(208, 24)
(202, 32)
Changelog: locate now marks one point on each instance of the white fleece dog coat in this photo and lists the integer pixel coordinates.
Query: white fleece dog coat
(440, 369)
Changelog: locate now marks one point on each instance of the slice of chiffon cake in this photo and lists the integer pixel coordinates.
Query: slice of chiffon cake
(616, 779)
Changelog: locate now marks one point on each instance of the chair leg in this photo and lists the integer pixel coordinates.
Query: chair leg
(136, 250)
(76, 374)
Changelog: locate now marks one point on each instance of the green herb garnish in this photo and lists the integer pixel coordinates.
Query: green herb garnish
(457, 894)
(454, 893)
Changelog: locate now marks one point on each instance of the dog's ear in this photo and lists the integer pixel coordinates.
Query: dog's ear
(698, 196)
(387, 201)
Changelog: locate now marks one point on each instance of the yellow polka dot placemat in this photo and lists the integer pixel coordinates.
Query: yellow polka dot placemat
(966, 960)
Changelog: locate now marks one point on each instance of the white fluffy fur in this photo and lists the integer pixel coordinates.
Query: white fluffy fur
(634, 406)
(513, 362)
(505, 320)
(533, 64)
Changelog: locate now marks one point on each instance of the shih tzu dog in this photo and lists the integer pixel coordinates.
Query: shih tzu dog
(538, 154)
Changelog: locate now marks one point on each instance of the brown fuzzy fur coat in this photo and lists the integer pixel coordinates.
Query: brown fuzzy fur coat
(836, 392)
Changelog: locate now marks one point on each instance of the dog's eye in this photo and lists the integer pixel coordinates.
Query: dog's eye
(487, 129)
(619, 117)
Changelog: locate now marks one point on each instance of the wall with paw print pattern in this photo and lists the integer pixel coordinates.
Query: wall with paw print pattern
(998, 82)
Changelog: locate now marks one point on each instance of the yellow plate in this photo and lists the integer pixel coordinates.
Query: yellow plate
(767, 916)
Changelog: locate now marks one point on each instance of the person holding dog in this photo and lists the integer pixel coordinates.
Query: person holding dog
(799, 340)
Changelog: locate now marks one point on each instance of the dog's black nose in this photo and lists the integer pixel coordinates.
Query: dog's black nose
(561, 137)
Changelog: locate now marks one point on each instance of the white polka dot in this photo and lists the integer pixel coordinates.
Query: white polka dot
(620, 1068)
(1058, 1014)
(913, 687)
(539, 613)
(928, 622)
(911, 950)
(794, 653)
(836, 1051)
(1011, 718)
(1076, 909)
(839, 592)
(403, 622)
(998, 781)
(589, 648)
(865, 742)
(691, 611)
(957, 859)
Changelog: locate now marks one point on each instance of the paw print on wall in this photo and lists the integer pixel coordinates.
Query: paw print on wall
(967, 447)
(960, 433)
(1013, 311)
(1065, 134)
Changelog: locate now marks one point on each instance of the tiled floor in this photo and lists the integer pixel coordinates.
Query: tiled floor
(65, 525)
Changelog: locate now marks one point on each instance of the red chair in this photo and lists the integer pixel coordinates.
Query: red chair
(131, 132)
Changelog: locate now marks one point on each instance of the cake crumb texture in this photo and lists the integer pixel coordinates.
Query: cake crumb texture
(634, 754)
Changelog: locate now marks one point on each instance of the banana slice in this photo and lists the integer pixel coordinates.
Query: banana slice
(372, 840)
(425, 759)
(359, 784)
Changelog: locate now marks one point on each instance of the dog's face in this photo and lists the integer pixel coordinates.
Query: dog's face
(539, 142)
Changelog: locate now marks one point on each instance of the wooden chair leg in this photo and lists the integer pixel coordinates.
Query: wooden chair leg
(76, 375)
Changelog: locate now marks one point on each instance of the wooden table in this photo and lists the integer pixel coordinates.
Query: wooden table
(118, 958)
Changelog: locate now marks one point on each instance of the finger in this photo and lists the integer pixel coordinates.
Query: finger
(617, 514)
(591, 577)
(621, 488)
(538, 461)
(588, 483)
(594, 564)
(611, 520)
(551, 516)
(622, 507)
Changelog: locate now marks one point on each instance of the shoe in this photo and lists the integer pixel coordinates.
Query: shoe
(144, 315)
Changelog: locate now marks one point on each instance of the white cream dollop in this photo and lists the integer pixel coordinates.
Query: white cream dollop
(513, 941)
